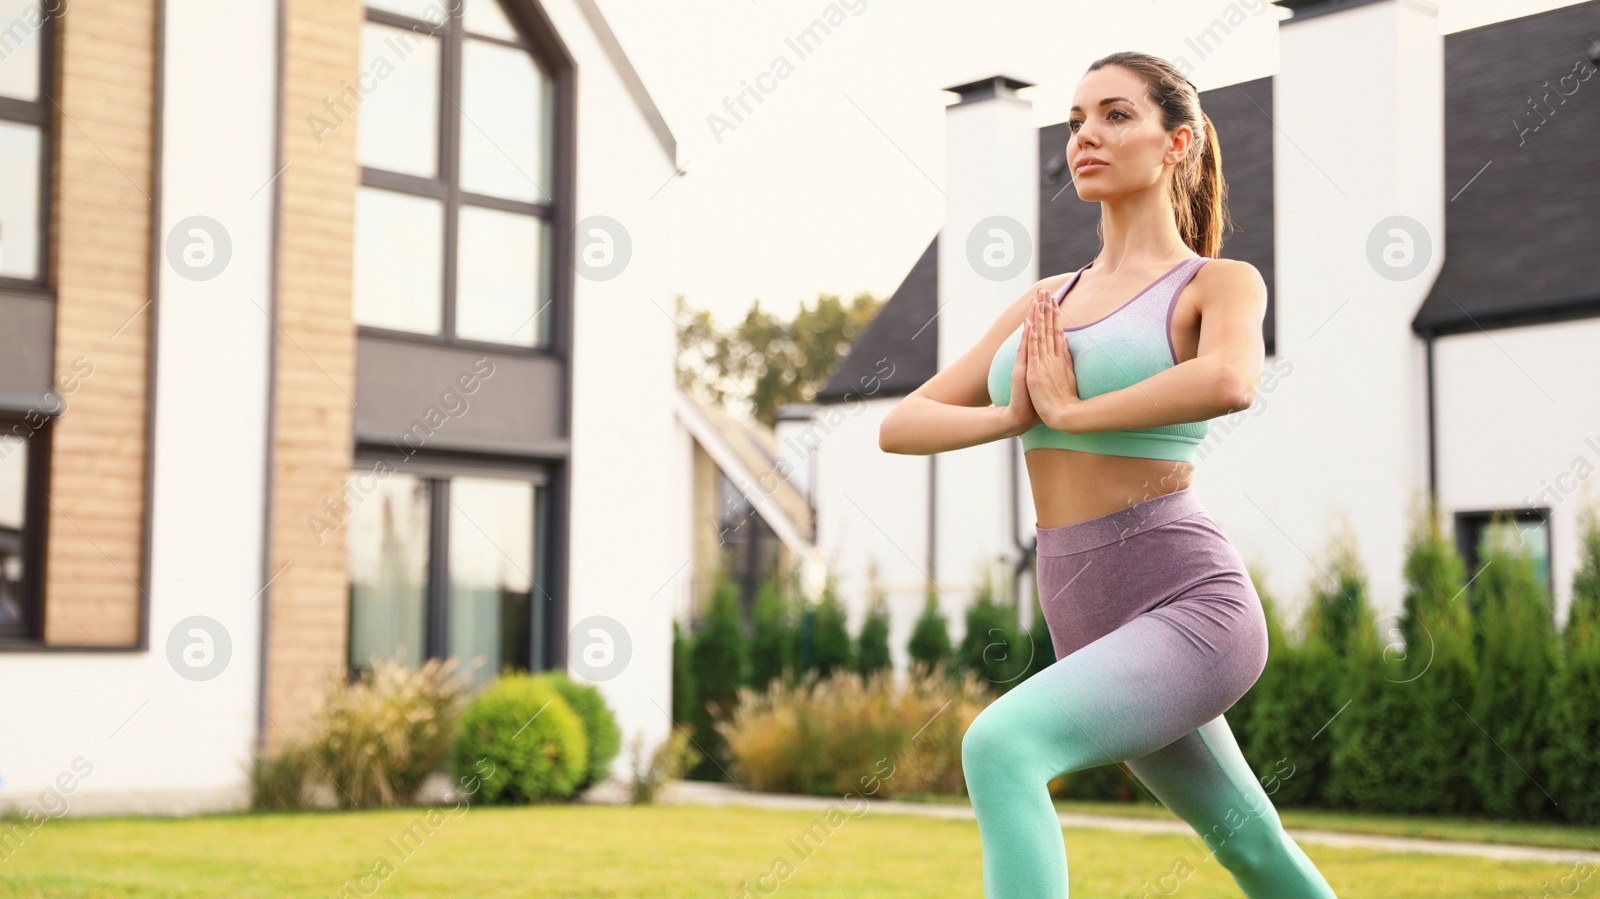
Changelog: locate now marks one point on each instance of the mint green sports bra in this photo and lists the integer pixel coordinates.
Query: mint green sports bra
(1129, 344)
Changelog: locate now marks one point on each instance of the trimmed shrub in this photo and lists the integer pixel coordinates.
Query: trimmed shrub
(930, 639)
(519, 742)
(1573, 722)
(599, 725)
(993, 647)
(872, 644)
(1369, 705)
(1516, 660)
(378, 738)
(772, 632)
(721, 662)
(683, 683)
(830, 636)
(1435, 679)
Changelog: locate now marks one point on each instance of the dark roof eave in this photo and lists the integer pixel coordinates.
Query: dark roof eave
(1459, 321)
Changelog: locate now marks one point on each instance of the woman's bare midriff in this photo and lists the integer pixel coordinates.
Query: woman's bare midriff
(1071, 486)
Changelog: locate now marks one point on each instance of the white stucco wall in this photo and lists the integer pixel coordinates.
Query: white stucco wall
(626, 504)
(149, 737)
(1519, 426)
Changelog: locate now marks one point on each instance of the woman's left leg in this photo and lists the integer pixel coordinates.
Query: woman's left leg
(1204, 779)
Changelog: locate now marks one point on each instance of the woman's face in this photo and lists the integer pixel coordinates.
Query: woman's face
(1113, 120)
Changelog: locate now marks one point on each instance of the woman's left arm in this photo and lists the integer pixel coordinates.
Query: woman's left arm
(1220, 379)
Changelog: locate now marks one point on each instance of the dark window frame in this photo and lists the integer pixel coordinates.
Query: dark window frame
(436, 470)
(34, 510)
(39, 113)
(446, 184)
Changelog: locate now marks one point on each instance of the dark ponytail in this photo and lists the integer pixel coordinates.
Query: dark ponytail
(1199, 195)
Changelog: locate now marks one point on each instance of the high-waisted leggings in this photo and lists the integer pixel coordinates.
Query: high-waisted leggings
(1157, 631)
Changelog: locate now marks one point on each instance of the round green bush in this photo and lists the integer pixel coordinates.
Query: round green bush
(519, 741)
(599, 725)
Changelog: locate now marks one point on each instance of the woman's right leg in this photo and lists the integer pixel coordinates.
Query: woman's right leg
(1203, 778)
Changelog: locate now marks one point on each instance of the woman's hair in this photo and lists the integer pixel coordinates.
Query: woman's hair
(1199, 195)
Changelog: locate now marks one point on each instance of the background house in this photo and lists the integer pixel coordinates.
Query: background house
(1423, 212)
(308, 355)
(747, 516)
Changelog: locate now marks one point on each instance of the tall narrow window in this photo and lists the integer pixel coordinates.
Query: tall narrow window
(24, 452)
(25, 107)
(388, 559)
(454, 213)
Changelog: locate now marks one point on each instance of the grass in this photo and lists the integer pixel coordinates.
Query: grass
(650, 851)
(1472, 830)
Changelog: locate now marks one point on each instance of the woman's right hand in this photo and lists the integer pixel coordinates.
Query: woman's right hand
(1020, 412)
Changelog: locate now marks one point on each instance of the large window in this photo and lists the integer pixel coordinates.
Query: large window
(448, 565)
(25, 107)
(454, 216)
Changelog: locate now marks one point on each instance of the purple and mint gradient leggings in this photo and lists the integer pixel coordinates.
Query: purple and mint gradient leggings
(1157, 631)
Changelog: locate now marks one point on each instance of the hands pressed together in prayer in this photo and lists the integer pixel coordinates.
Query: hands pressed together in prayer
(1044, 386)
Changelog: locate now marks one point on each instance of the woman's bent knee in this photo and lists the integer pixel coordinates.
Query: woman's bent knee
(995, 745)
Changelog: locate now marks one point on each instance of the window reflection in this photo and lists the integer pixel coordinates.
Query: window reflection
(13, 495)
(399, 261)
(19, 199)
(21, 31)
(388, 565)
(500, 277)
(399, 113)
(505, 123)
(491, 572)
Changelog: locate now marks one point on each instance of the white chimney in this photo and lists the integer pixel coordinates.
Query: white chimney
(988, 254)
(1358, 108)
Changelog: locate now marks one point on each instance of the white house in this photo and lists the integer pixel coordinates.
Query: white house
(309, 355)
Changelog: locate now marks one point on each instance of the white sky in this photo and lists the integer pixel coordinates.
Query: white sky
(829, 185)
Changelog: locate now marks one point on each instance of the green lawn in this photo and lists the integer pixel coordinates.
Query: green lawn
(1556, 836)
(666, 851)
(1475, 830)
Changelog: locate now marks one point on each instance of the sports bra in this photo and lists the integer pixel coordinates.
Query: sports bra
(1127, 345)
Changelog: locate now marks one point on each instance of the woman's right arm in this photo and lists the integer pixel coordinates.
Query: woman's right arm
(952, 410)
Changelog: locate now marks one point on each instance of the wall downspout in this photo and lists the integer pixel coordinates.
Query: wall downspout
(933, 523)
(1024, 551)
(1433, 462)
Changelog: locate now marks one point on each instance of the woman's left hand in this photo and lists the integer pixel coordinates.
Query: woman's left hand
(1052, 383)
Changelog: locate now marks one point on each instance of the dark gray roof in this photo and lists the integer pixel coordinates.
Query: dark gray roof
(1522, 206)
(902, 339)
(1240, 113)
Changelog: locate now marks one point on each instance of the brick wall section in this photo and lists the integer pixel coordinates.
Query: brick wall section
(308, 617)
(100, 232)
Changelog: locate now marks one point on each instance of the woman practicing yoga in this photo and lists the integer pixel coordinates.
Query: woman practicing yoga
(1157, 627)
